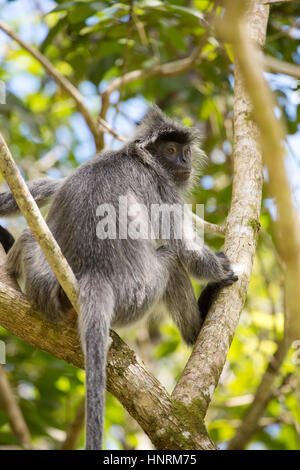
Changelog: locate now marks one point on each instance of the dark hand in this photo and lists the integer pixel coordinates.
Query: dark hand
(230, 276)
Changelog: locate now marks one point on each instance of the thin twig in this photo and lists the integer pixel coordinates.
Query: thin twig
(68, 87)
(168, 69)
(250, 423)
(280, 66)
(273, 2)
(10, 405)
(75, 429)
(208, 226)
(162, 70)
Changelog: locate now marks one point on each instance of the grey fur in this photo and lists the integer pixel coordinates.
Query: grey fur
(120, 280)
(41, 189)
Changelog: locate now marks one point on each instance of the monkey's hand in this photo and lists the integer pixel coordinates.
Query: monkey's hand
(211, 291)
(229, 276)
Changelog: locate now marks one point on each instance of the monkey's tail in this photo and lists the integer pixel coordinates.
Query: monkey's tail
(96, 311)
(41, 189)
(6, 239)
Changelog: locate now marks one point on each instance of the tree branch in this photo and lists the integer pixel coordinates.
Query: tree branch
(162, 70)
(68, 87)
(280, 66)
(273, 2)
(10, 405)
(168, 69)
(202, 372)
(208, 226)
(75, 429)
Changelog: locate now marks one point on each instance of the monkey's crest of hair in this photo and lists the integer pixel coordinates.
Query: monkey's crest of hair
(156, 126)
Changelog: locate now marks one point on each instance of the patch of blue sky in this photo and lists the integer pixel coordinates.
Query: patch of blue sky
(135, 107)
(18, 10)
(23, 84)
(85, 148)
(131, 112)
(54, 173)
(207, 182)
(270, 204)
(64, 136)
(257, 446)
(92, 20)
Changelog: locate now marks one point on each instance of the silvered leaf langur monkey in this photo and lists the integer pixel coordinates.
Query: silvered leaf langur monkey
(120, 279)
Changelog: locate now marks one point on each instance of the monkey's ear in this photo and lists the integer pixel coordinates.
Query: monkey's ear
(150, 127)
(154, 116)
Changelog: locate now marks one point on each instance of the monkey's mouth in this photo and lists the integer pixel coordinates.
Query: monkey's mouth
(183, 175)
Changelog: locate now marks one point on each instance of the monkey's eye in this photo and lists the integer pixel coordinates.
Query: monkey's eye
(171, 149)
(187, 153)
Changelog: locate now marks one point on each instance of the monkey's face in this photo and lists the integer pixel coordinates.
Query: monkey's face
(176, 157)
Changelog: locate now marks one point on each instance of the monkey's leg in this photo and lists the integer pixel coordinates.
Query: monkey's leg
(14, 257)
(6, 239)
(27, 263)
(139, 299)
(182, 304)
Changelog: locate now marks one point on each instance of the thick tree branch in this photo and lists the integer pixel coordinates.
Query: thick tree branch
(202, 372)
(264, 393)
(96, 126)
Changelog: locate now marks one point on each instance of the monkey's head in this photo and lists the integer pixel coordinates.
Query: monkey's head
(171, 144)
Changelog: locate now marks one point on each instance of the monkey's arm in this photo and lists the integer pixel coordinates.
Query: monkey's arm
(203, 263)
(41, 189)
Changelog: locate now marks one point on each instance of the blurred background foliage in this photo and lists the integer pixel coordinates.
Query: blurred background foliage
(92, 42)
